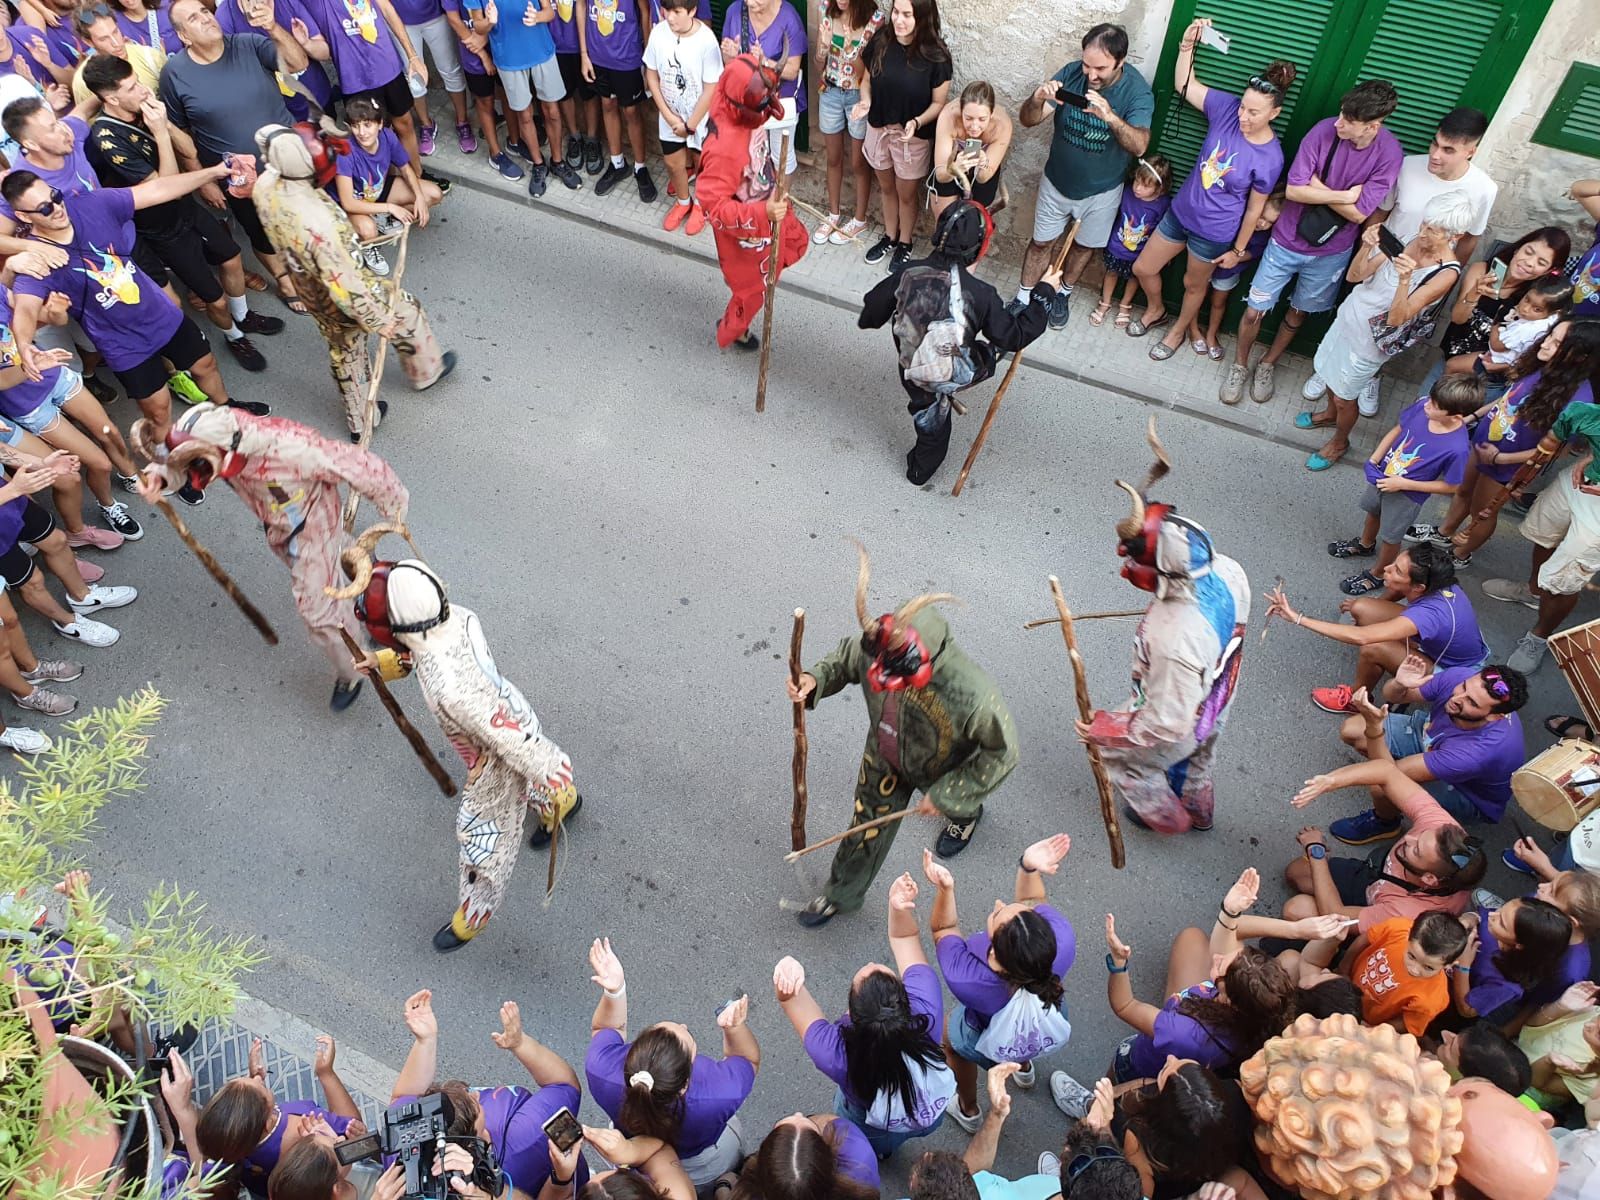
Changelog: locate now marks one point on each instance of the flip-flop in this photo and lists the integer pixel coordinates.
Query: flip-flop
(294, 304)
(1306, 421)
(1317, 463)
(1215, 354)
(1137, 328)
(1562, 727)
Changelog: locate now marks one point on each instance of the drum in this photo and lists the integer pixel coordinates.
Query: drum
(1561, 786)
(1577, 653)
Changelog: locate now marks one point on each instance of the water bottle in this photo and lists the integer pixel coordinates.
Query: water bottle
(414, 82)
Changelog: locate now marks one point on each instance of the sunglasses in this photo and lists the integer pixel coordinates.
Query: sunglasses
(1082, 1162)
(1260, 83)
(48, 207)
(1473, 846)
(1496, 685)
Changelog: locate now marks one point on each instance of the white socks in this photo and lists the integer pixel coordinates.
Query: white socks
(238, 307)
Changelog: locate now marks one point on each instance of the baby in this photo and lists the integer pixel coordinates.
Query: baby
(1541, 305)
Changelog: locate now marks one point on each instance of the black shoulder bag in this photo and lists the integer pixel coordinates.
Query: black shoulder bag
(1319, 223)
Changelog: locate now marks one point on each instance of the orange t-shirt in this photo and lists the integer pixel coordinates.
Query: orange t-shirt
(1387, 989)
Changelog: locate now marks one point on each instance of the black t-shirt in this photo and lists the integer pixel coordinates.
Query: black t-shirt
(123, 155)
(902, 87)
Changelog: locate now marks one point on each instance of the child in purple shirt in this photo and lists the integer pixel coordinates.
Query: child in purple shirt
(376, 179)
(1522, 950)
(892, 1079)
(611, 38)
(1224, 281)
(369, 62)
(1146, 196)
(1424, 454)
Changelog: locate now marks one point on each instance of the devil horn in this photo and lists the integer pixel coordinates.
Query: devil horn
(783, 59)
(863, 577)
(357, 560)
(1163, 464)
(142, 439)
(1131, 525)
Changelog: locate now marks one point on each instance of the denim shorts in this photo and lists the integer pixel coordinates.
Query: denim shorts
(964, 1038)
(1201, 247)
(833, 111)
(68, 384)
(1406, 734)
(11, 433)
(1316, 279)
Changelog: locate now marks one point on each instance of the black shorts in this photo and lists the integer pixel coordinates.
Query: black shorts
(1353, 876)
(393, 97)
(626, 87)
(16, 564)
(193, 254)
(187, 347)
(244, 212)
(983, 193)
(669, 148)
(572, 75)
(481, 86)
(148, 261)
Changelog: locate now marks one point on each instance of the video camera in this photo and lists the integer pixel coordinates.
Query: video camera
(414, 1136)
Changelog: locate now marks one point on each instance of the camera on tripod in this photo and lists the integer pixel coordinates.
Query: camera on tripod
(414, 1135)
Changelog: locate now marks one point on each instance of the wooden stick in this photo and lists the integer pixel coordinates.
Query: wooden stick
(797, 765)
(1099, 616)
(1102, 783)
(370, 413)
(251, 612)
(782, 192)
(875, 823)
(550, 873)
(402, 723)
(1526, 475)
(1016, 361)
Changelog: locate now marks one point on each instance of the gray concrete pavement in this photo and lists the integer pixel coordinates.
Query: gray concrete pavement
(595, 483)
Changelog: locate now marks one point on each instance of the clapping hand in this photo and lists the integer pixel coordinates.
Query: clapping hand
(1045, 855)
(607, 967)
(510, 1035)
(1413, 672)
(935, 872)
(418, 1016)
(903, 894)
(1120, 951)
(999, 1098)
(788, 977)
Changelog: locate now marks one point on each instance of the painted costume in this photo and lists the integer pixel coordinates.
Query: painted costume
(511, 765)
(322, 254)
(1158, 749)
(288, 475)
(737, 175)
(937, 724)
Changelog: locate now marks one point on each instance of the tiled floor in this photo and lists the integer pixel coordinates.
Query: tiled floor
(223, 1053)
(1105, 356)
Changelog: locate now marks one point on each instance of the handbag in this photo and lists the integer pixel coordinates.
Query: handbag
(1392, 339)
(1318, 223)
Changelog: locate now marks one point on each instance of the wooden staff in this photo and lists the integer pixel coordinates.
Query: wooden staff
(402, 723)
(550, 874)
(1016, 361)
(1102, 783)
(370, 413)
(797, 766)
(875, 823)
(1099, 616)
(251, 612)
(782, 193)
(1526, 475)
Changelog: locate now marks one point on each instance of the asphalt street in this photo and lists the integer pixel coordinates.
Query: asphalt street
(595, 483)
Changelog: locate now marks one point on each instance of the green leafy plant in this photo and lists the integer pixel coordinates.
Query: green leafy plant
(157, 965)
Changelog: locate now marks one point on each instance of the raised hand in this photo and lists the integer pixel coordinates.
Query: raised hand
(735, 1014)
(999, 1098)
(1242, 895)
(607, 967)
(322, 1062)
(1120, 951)
(1045, 856)
(935, 872)
(418, 1016)
(1316, 786)
(510, 1035)
(788, 977)
(903, 893)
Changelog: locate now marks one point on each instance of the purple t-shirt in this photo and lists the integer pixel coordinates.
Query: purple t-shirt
(63, 45)
(1491, 991)
(1586, 281)
(470, 62)
(1447, 628)
(614, 38)
(1477, 762)
(264, 1157)
(1181, 1035)
(564, 29)
(120, 307)
(368, 169)
(23, 39)
(72, 176)
(717, 1087)
(1136, 221)
(787, 22)
(1504, 428)
(139, 31)
(417, 12)
(21, 400)
(982, 992)
(363, 50)
(284, 12)
(1375, 167)
(1419, 453)
(856, 1157)
(1212, 201)
(515, 1117)
(825, 1044)
(1256, 245)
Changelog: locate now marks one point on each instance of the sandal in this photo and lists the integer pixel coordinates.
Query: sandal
(1562, 727)
(1306, 421)
(1215, 354)
(1160, 352)
(1320, 462)
(1124, 315)
(1201, 347)
(1351, 548)
(1361, 585)
(1098, 316)
(256, 283)
(294, 304)
(1138, 328)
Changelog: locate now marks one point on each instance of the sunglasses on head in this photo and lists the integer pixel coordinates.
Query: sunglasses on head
(48, 207)
(1466, 855)
(1082, 1162)
(1260, 83)
(1496, 685)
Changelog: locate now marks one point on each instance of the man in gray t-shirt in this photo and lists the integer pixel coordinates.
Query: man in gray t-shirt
(1091, 148)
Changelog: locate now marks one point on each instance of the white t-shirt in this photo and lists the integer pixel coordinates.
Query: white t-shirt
(1417, 186)
(687, 65)
(1518, 334)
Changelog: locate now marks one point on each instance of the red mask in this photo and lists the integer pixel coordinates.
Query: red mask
(752, 89)
(1140, 552)
(906, 665)
(324, 149)
(372, 609)
(200, 472)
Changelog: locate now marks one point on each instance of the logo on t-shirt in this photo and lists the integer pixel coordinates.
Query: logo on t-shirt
(1503, 420)
(8, 348)
(362, 21)
(369, 189)
(1586, 286)
(606, 14)
(1377, 976)
(1214, 168)
(1083, 131)
(1400, 457)
(564, 9)
(1132, 236)
(115, 277)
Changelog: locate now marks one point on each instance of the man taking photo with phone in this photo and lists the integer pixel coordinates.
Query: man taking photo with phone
(1103, 109)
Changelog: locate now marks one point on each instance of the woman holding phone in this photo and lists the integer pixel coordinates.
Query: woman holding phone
(970, 140)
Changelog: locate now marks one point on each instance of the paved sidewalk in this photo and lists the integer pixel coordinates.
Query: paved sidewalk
(1105, 357)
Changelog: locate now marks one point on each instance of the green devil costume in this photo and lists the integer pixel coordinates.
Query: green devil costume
(938, 725)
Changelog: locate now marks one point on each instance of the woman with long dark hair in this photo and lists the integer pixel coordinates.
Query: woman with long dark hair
(1558, 371)
(843, 29)
(1182, 1130)
(906, 84)
(1006, 979)
(1514, 951)
(891, 1074)
(659, 1090)
(819, 1157)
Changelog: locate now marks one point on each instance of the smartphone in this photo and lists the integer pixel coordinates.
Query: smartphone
(1217, 41)
(563, 1129)
(1500, 268)
(1076, 99)
(1390, 245)
(738, 994)
(971, 146)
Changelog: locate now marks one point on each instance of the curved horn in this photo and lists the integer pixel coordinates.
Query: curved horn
(357, 560)
(1131, 525)
(863, 576)
(917, 603)
(783, 59)
(139, 438)
(1162, 465)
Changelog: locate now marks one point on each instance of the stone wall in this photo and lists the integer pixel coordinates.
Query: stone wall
(1534, 179)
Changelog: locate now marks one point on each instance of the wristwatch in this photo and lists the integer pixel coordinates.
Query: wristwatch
(1111, 965)
(1317, 851)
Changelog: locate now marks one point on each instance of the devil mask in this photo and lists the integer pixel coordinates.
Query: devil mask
(313, 158)
(751, 89)
(212, 453)
(373, 605)
(900, 659)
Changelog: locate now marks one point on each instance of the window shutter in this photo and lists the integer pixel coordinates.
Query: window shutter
(1572, 122)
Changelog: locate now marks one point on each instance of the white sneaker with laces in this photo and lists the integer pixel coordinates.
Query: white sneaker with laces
(847, 233)
(24, 741)
(821, 233)
(1025, 1078)
(1511, 591)
(1049, 1164)
(90, 633)
(1528, 654)
(1314, 387)
(1071, 1097)
(1367, 402)
(970, 1123)
(376, 263)
(101, 597)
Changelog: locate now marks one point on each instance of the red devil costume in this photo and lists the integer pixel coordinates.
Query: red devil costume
(737, 175)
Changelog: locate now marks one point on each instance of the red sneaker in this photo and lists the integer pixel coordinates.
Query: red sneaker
(675, 215)
(1332, 699)
(696, 221)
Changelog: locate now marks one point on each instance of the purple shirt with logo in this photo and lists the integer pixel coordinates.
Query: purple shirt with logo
(1375, 167)
(564, 29)
(368, 169)
(1181, 1035)
(1212, 201)
(982, 992)
(1136, 221)
(787, 22)
(615, 40)
(1586, 281)
(1504, 428)
(121, 309)
(73, 176)
(717, 1087)
(1491, 991)
(363, 49)
(1419, 453)
(284, 12)
(1447, 628)
(514, 1118)
(825, 1044)
(1477, 762)
(470, 62)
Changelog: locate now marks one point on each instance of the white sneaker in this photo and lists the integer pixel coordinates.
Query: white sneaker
(1071, 1097)
(1025, 1078)
(90, 633)
(847, 233)
(1049, 1164)
(376, 263)
(1314, 387)
(970, 1124)
(101, 597)
(1528, 654)
(821, 233)
(1367, 402)
(24, 741)
(1511, 591)
(1484, 898)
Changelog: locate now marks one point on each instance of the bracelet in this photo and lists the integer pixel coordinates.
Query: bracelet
(1022, 866)
(560, 1182)
(618, 994)
(1224, 910)
(1225, 925)
(1299, 619)
(1111, 965)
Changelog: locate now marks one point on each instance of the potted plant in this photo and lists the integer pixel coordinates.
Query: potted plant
(75, 1119)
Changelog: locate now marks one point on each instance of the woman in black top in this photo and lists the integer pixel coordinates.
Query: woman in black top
(905, 87)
